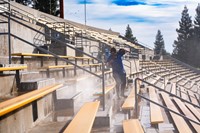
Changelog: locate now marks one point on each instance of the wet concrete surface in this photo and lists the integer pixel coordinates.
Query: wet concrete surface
(57, 120)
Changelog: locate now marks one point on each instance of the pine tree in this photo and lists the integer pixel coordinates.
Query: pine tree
(47, 6)
(25, 2)
(182, 46)
(129, 34)
(159, 44)
(197, 37)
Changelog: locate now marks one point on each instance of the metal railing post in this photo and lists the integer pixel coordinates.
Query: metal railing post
(164, 107)
(103, 86)
(136, 99)
(103, 78)
(9, 36)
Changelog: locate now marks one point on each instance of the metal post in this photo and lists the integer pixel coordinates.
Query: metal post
(75, 66)
(63, 71)
(61, 9)
(9, 36)
(17, 76)
(85, 11)
(103, 82)
(136, 100)
(103, 86)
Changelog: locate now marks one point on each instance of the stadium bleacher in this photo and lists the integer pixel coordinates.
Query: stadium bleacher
(65, 87)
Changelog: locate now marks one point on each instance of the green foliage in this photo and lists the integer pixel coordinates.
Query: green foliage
(159, 44)
(25, 2)
(196, 38)
(183, 44)
(187, 45)
(129, 34)
(47, 6)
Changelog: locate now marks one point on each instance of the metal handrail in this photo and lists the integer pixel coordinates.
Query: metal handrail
(28, 13)
(45, 51)
(136, 100)
(130, 65)
(35, 38)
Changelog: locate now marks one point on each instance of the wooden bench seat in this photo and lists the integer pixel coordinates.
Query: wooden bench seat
(22, 100)
(13, 68)
(22, 55)
(69, 67)
(17, 76)
(179, 122)
(193, 98)
(132, 126)
(184, 94)
(129, 103)
(57, 66)
(173, 89)
(155, 111)
(107, 90)
(105, 72)
(194, 110)
(83, 121)
(187, 113)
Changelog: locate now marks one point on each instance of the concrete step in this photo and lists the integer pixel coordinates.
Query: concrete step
(67, 98)
(26, 76)
(34, 84)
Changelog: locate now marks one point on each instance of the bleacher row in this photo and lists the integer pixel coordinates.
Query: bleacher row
(73, 29)
(176, 80)
(178, 90)
(10, 106)
(189, 110)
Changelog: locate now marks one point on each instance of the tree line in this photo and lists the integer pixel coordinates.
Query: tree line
(46, 6)
(186, 47)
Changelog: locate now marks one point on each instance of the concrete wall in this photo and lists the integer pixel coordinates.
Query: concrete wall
(21, 120)
(18, 122)
(149, 54)
(3, 43)
(16, 44)
(7, 85)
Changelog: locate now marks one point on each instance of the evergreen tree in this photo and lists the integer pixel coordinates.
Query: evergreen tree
(129, 34)
(47, 6)
(159, 44)
(182, 46)
(197, 37)
(25, 2)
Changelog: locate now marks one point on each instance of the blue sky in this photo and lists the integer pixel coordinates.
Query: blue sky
(145, 17)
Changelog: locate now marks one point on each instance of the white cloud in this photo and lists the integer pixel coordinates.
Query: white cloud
(144, 20)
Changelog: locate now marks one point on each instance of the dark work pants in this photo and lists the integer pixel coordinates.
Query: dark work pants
(120, 80)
